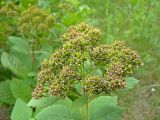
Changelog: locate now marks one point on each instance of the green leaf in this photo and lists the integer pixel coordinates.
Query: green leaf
(105, 100)
(24, 59)
(78, 87)
(20, 89)
(21, 111)
(13, 64)
(134, 2)
(98, 72)
(104, 108)
(19, 45)
(106, 113)
(45, 52)
(26, 3)
(42, 102)
(32, 74)
(70, 19)
(20, 49)
(57, 112)
(5, 93)
(65, 101)
(80, 102)
(87, 65)
(131, 82)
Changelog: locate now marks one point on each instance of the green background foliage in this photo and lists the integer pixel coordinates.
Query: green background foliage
(135, 21)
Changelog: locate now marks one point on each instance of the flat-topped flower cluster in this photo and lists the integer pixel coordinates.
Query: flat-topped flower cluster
(34, 20)
(66, 67)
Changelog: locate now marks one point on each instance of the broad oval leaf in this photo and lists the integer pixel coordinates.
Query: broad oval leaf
(21, 90)
(104, 108)
(105, 100)
(131, 82)
(80, 102)
(42, 102)
(20, 49)
(5, 93)
(57, 112)
(21, 111)
(13, 64)
(106, 113)
(64, 101)
(18, 44)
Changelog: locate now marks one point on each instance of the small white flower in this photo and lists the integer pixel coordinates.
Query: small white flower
(153, 90)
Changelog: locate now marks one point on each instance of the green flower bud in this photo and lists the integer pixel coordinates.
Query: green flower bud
(115, 83)
(50, 20)
(57, 89)
(25, 27)
(100, 54)
(93, 85)
(68, 75)
(82, 31)
(38, 92)
(41, 27)
(76, 60)
(116, 69)
(45, 78)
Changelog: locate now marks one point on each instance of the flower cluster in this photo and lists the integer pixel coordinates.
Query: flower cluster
(81, 37)
(93, 85)
(119, 61)
(34, 20)
(45, 78)
(65, 68)
(8, 15)
(67, 78)
(115, 76)
(116, 52)
(10, 10)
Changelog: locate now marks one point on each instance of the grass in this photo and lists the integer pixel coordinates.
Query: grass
(136, 22)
